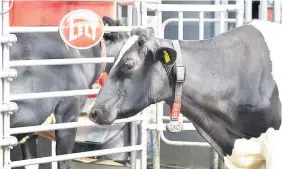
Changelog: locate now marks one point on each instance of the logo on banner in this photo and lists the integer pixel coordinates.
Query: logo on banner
(81, 29)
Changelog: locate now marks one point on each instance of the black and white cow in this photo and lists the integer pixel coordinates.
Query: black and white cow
(33, 79)
(230, 93)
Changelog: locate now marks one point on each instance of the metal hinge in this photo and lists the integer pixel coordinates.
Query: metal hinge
(9, 73)
(10, 141)
(9, 107)
(10, 39)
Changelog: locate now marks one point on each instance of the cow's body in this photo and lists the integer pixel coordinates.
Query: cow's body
(33, 79)
(229, 77)
(229, 92)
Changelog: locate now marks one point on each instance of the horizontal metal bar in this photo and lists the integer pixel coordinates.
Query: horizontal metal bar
(27, 29)
(50, 127)
(186, 126)
(76, 156)
(168, 118)
(45, 62)
(197, 20)
(41, 95)
(192, 8)
(183, 143)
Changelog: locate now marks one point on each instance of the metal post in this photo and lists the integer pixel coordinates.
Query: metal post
(201, 25)
(180, 25)
(129, 15)
(240, 13)
(276, 11)
(248, 10)
(262, 10)
(53, 152)
(144, 139)
(144, 13)
(216, 16)
(135, 11)
(160, 28)
(156, 158)
(136, 14)
(222, 22)
(1, 91)
(6, 83)
(119, 11)
(144, 122)
(133, 143)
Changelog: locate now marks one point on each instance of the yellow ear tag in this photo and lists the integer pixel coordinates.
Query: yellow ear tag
(106, 24)
(166, 56)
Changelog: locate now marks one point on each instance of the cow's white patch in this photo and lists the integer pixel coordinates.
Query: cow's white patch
(272, 33)
(257, 153)
(125, 47)
(35, 166)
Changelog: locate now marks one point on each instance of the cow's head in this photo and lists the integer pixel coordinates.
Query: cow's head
(137, 80)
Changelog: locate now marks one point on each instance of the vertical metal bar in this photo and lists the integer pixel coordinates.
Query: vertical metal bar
(240, 13)
(159, 114)
(160, 29)
(6, 83)
(276, 11)
(201, 25)
(133, 125)
(144, 139)
(129, 15)
(180, 25)
(248, 11)
(144, 121)
(222, 22)
(53, 152)
(136, 14)
(133, 143)
(216, 15)
(119, 12)
(144, 18)
(263, 10)
(1, 91)
(156, 158)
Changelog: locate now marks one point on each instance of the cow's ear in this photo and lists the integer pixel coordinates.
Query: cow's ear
(165, 55)
(108, 21)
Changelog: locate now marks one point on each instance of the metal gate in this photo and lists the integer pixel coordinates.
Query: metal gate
(140, 18)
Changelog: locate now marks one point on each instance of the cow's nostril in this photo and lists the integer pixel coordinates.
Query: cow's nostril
(96, 113)
(93, 114)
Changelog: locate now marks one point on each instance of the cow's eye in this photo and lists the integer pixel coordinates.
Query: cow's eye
(129, 64)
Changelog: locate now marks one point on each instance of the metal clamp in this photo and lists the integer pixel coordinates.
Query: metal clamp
(9, 141)
(174, 126)
(181, 73)
(9, 107)
(11, 38)
(8, 73)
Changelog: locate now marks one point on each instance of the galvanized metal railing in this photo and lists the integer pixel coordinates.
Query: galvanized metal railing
(141, 7)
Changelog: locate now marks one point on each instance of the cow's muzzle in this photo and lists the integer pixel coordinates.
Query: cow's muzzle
(99, 115)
